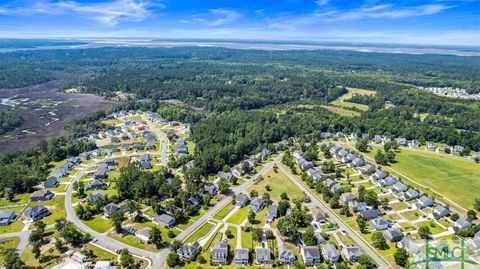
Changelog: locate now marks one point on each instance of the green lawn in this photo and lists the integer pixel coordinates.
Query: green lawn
(132, 240)
(99, 224)
(20, 199)
(439, 173)
(7, 244)
(239, 216)
(247, 240)
(278, 183)
(399, 206)
(200, 233)
(101, 254)
(224, 211)
(162, 229)
(435, 228)
(341, 111)
(342, 100)
(412, 215)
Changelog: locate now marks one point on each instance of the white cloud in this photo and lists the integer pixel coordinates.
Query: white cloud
(109, 12)
(223, 16)
(321, 2)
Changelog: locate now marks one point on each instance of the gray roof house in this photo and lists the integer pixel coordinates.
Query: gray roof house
(144, 234)
(430, 145)
(188, 252)
(371, 214)
(95, 196)
(241, 256)
(458, 148)
(95, 184)
(380, 224)
(226, 175)
(111, 208)
(257, 204)
(144, 165)
(310, 255)
(352, 254)
(408, 244)
(241, 200)
(37, 212)
(369, 168)
(7, 217)
(237, 171)
(336, 187)
(357, 206)
(262, 255)
(145, 157)
(51, 183)
(285, 256)
(411, 194)
(399, 187)
(388, 181)
(441, 211)
(357, 162)
(462, 223)
(330, 253)
(318, 216)
(41, 195)
(101, 172)
(220, 253)
(424, 201)
(379, 174)
(402, 141)
(476, 240)
(272, 212)
(393, 235)
(210, 189)
(165, 220)
(347, 197)
(329, 182)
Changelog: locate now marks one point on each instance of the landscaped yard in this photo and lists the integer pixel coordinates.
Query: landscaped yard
(239, 216)
(56, 206)
(101, 254)
(132, 240)
(224, 211)
(399, 206)
(200, 233)
(99, 224)
(278, 183)
(6, 244)
(435, 228)
(247, 240)
(412, 215)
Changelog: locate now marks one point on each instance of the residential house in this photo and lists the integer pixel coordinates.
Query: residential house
(189, 251)
(411, 194)
(430, 145)
(387, 139)
(347, 197)
(352, 254)
(408, 244)
(194, 202)
(51, 183)
(146, 165)
(7, 217)
(112, 149)
(424, 202)
(356, 162)
(137, 146)
(98, 152)
(371, 214)
(125, 147)
(388, 181)
(238, 171)
(320, 239)
(441, 211)
(377, 139)
(340, 134)
(310, 255)
(241, 256)
(330, 253)
(210, 189)
(399, 187)
(272, 212)
(262, 255)
(95, 196)
(317, 215)
(353, 136)
(401, 141)
(357, 206)
(257, 204)
(285, 256)
(150, 146)
(458, 148)
(146, 157)
(368, 169)
(380, 224)
(393, 235)
(101, 172)
(111, 208)
(41, 195)
(476, 240)
(336, 187)
(378, 175)
(329, 182)
(304, 164)
(462, 223)
(37, 212)
(220, 253)
(104, 265)
(241, 200)
(165, 220)
(297, 154)
(350, 157)
(415, 143)
(225, 175)
(144, 234)
(95, 184)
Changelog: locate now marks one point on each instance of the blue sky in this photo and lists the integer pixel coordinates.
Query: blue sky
(454, 22)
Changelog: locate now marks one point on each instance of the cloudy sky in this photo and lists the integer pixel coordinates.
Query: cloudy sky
(455, 22)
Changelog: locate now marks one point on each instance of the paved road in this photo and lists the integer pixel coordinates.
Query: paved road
(366, 248)
(163, 137)
(23, 235)
(209, 214)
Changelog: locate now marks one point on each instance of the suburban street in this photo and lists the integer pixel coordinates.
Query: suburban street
(342, 226)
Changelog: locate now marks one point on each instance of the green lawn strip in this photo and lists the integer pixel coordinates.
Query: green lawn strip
(392, 217)
(7, 244)
(224, 211)
(407, 227)
(232, 242)
(446, 223)
(19, 199)
(399, 206)
(239, 216)
(435, 228)
(279, 183)
(200, 233)
(260, 217)
(247, 241)
(101, 254)
(412, 215)
(132, 240)
(99, 224)
(341, 111)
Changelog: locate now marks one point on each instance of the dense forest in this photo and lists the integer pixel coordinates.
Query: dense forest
(8, 120)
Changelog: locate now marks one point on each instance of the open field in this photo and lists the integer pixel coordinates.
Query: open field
(341, 101)
(278, 183)
(239, 216)
(201, 232)
(101, 254)
(224, 211)
(439, 173)
(99, 224)
(342, 111)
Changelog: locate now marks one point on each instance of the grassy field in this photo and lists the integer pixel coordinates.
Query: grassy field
(278, 183)
(440, 173)
(99, 224)
(246, 239)
(341, 101)
(239, 216)
(224, 211)
(342, 111)
(200, 233)
(101, 254)
(132, 240)
(7, 244)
